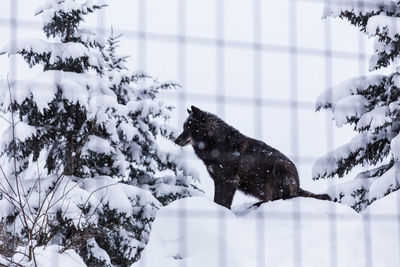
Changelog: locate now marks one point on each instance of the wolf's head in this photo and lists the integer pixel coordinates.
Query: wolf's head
(194, 128)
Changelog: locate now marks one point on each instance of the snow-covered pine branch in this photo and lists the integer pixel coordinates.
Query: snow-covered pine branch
(376, 18)
(369, 104)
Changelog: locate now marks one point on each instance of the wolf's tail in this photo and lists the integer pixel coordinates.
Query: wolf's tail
(304, 193)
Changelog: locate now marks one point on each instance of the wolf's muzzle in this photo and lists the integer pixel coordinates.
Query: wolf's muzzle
(184, 139)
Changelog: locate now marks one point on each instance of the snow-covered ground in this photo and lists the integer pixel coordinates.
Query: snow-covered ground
(298, 232)
(49, 256)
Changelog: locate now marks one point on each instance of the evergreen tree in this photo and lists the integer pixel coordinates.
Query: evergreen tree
(88, 118)
(371, 105)
(58, 106)
(137, 120)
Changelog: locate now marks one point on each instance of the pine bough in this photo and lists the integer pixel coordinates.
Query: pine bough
(371, 105)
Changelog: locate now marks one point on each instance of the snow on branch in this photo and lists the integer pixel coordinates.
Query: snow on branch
(76, 87)
(335, 162)
(349, 107)
(86, 35)
(336, 8)
(379, 19)
(21, 131)
(367, 187)
(381, 23)
(98, 145)
(329, 97)
(376, 118)
(36, 50)
(51, 8)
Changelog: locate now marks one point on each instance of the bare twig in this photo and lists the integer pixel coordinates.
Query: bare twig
(87, 200)
(4, 118)
(7, 180)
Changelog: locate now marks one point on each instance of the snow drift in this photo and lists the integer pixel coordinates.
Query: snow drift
(197, 232)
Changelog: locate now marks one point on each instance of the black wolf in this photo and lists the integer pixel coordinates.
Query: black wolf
(235, 161)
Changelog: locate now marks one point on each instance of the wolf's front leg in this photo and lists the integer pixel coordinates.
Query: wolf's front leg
(224, 191)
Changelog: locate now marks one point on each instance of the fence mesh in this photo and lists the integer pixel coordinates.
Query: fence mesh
(254, 64)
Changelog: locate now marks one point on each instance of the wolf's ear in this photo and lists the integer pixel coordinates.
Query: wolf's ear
(189, 111)
(196, 110)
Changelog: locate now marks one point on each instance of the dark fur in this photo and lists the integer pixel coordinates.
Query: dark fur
(235, 161)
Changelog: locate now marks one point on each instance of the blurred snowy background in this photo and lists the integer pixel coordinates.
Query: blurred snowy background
(259, 65)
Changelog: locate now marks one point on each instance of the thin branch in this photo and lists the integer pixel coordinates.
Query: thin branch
(7, 180)
(14, 153)
(4, 118)
(87, 200)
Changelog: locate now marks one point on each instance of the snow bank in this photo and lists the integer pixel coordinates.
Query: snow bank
(388, 206)
(382, 217)
(198, 232)
(50, 256)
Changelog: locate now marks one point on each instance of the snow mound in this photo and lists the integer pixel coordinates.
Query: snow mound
(47, 256)
(382, 217)
(197, 232)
